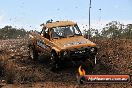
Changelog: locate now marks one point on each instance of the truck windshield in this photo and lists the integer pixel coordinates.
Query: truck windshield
(67, 31)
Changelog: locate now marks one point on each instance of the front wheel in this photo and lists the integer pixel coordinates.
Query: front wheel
(89, 64)
(55, 63)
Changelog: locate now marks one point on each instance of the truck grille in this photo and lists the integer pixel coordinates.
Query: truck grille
(78, 53)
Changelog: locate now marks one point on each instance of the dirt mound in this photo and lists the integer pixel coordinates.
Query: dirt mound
(114, 56)
(117, 54)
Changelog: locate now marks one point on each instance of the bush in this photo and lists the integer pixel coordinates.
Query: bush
(11, 33)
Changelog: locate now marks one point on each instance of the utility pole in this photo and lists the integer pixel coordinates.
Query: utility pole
(89, 20)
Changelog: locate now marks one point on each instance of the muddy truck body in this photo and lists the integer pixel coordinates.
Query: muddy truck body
(62, 41)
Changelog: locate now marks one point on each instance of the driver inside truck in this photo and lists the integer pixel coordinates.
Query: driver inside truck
(45, 33)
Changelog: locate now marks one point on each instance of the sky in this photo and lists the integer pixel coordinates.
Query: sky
(29, 14)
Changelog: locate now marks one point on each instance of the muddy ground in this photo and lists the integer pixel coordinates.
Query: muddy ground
(18, 70)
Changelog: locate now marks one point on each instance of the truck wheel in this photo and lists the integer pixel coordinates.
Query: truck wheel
(89, 64)
(54, 62)
(93, 60)
(33, 53)
(81, 79)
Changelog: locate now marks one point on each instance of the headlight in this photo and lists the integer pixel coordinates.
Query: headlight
(65, 53)
(92, 49)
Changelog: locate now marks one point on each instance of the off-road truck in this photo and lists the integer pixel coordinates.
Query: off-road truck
(62, 41)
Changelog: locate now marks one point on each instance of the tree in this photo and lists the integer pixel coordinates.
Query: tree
(112, 30)
(128, 31)
(8, 32)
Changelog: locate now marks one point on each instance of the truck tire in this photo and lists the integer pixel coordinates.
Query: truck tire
(33, 53)
(55, 63)
(81, 80)
(89, 64)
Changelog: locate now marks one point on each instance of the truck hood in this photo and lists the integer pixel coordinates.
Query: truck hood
(73, 42)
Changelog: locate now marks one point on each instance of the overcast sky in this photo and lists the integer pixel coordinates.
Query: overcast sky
(30, 14)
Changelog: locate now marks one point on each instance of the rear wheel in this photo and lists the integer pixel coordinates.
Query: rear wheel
(33, 53)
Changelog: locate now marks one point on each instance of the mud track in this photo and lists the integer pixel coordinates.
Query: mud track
(18, 70)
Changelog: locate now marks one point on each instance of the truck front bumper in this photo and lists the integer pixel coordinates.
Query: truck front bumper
(79, 54)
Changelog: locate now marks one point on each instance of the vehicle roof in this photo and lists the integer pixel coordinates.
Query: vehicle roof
(59, 24)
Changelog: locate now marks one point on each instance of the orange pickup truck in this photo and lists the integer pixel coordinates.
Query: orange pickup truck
(62, 41)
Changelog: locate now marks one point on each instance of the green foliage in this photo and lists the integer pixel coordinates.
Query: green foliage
(113, 30)
(8, 32)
